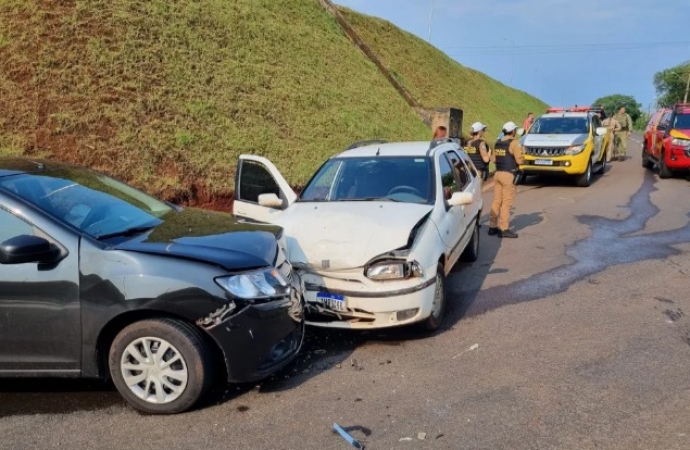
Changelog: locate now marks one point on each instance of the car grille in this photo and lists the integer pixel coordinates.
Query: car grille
(545, 151)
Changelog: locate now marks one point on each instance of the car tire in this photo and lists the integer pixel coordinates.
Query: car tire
(471, 252)
(172, 390)
(585, 179)
(664, 171)
(646, 162)
(602, 169)
(438, 310)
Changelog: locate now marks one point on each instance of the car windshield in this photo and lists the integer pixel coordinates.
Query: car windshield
(399, 179)
(560, 125)
(682, 122)
(91, 202)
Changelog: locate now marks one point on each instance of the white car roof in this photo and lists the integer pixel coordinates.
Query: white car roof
(565, 114)
(418, 148)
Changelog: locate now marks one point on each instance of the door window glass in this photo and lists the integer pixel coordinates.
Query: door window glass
(255, 180)
(447, 177)
(464, 178)
(12, 226)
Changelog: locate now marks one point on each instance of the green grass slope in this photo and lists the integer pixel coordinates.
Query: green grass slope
(167, 93)
(435, 79)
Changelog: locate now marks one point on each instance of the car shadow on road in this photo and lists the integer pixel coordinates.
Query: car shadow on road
(30, 396)
(548, 180)
(464, 290)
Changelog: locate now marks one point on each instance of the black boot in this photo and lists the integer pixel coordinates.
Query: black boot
(493, 231)
(507, 234)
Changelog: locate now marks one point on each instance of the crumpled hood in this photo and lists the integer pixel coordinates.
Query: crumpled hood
(553, 140)
(344, 235)
(208, 236)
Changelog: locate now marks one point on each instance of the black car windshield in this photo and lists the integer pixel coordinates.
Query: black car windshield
(682, 122)
(392, 178)
(560, 125)
(91, 202)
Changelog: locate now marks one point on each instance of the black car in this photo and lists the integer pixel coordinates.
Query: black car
(99, 280)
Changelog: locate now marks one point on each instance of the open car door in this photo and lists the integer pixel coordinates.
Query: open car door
(261, 192)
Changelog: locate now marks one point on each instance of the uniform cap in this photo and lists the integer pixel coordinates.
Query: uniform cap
(477, 127)
(508, 127)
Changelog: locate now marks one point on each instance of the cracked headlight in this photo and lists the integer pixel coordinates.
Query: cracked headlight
(575, 149)
(260, 284)
(393, 270)
(680, 142)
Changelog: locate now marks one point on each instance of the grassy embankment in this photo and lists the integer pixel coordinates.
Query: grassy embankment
(167, 93)
(435, 79)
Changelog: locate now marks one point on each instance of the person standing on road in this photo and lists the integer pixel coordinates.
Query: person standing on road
(508, 155)
(613, 126)
(478, 150)
(621, 136)
(528, 122)
(440, 133)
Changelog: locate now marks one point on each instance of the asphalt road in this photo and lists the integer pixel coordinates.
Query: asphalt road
(573, 336)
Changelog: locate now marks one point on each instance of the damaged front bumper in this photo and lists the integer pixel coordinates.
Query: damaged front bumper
(338, 302)
(259, 339)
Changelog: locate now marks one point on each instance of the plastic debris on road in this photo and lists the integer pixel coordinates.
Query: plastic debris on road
(345, 435)
(473, 347)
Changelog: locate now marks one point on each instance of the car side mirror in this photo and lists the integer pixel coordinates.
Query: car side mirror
(601, 131)
(520, 131)
(270, 201)
(29, 249)
(460, 198)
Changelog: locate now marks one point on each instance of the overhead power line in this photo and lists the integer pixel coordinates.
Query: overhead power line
(556, 48)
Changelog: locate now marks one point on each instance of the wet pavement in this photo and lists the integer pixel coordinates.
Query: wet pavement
(573, 336)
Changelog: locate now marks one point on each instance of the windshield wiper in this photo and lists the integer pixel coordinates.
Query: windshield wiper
(371, 199)
(126, 232)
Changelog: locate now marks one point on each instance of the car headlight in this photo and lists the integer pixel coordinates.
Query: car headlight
(575, 149)
(260, 284)
(394, 270)
(680, 142)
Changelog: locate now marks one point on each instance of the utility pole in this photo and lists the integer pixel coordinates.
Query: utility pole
(431, 18)
(687, 87)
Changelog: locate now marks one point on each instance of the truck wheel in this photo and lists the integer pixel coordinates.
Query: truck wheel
(664, 171)
(160, 366)
(602, 168)
(646, 162)
(585, 179)
(438, 310)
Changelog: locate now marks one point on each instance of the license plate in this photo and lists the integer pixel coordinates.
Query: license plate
(331, 301)
(543, 162)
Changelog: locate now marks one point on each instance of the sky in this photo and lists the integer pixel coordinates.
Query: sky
(564, 52)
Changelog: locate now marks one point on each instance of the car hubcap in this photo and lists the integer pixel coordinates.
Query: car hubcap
(154, 370)
(438, 297)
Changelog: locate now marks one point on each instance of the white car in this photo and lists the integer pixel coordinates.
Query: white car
(376, 230)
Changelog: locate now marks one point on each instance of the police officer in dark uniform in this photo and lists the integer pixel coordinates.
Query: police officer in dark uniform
(508, 155)
(478, 150)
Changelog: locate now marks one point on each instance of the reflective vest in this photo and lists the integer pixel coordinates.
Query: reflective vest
(505, 161)
(475, 155)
